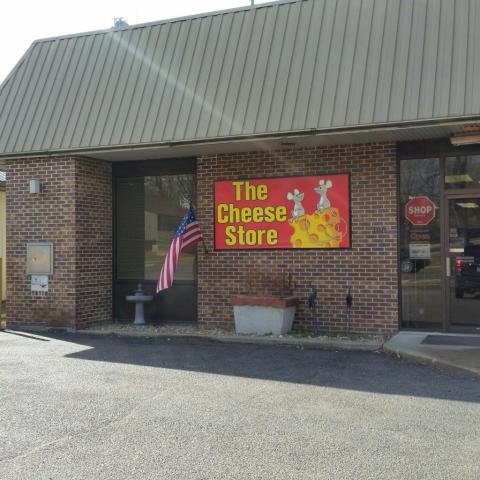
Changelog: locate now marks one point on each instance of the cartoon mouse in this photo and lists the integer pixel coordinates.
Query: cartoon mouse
(297, 198)
(322, 188)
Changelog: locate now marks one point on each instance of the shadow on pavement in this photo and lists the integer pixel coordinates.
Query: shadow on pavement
(361, 371)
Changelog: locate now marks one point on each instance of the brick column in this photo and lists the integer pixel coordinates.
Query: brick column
(75, 213)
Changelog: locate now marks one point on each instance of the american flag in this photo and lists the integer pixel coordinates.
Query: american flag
(188, 234)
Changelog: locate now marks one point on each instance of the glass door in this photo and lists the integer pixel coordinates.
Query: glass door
(463, 263)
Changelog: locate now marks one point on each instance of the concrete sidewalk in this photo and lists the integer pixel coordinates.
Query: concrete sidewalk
(456, 351)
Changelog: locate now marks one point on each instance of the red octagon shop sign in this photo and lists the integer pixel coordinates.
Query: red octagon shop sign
(420, 210)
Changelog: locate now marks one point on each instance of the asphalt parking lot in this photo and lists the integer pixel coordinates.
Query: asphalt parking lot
(80, 407)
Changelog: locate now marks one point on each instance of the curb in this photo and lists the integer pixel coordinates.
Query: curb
(424, 359)
(271, 341)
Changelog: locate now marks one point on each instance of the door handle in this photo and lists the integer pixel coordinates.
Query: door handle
(447, 260)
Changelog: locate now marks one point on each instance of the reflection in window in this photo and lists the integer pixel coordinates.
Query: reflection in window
(420, 247)
(462, 172)
(464, 253)
(130, 228)
(149, 211)
(166, 201)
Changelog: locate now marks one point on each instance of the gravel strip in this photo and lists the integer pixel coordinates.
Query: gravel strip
(346, 342)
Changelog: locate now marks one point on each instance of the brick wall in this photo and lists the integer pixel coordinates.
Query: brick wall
(73, 212)
(369, 267)
(93, 242)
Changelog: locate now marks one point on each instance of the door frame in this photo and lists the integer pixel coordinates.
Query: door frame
(440, 148)
(445, 253)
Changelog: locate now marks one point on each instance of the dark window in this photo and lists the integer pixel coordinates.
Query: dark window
(149, 211)
(462, 172)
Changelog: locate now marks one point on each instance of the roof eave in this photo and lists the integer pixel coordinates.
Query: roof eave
(380, 129)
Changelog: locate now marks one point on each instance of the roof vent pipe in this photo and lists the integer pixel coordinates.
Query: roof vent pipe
(119, 22)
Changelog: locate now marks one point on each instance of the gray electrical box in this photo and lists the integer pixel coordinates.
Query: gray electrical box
(40, 258)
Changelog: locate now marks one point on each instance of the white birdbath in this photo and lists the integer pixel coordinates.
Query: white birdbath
(139, 298)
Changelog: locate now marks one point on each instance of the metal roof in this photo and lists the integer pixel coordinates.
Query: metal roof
(291, 66)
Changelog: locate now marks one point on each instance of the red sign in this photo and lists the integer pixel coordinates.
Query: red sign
(420, 210)
(292, 212)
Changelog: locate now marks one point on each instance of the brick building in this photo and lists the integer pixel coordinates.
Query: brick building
(122, 128)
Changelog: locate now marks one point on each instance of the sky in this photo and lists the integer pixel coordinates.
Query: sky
(26, 21)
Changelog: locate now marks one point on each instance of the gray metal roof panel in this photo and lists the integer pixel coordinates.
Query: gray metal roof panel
(273, 68)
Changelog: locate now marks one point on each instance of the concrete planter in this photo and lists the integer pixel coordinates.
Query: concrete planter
(264, 315)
